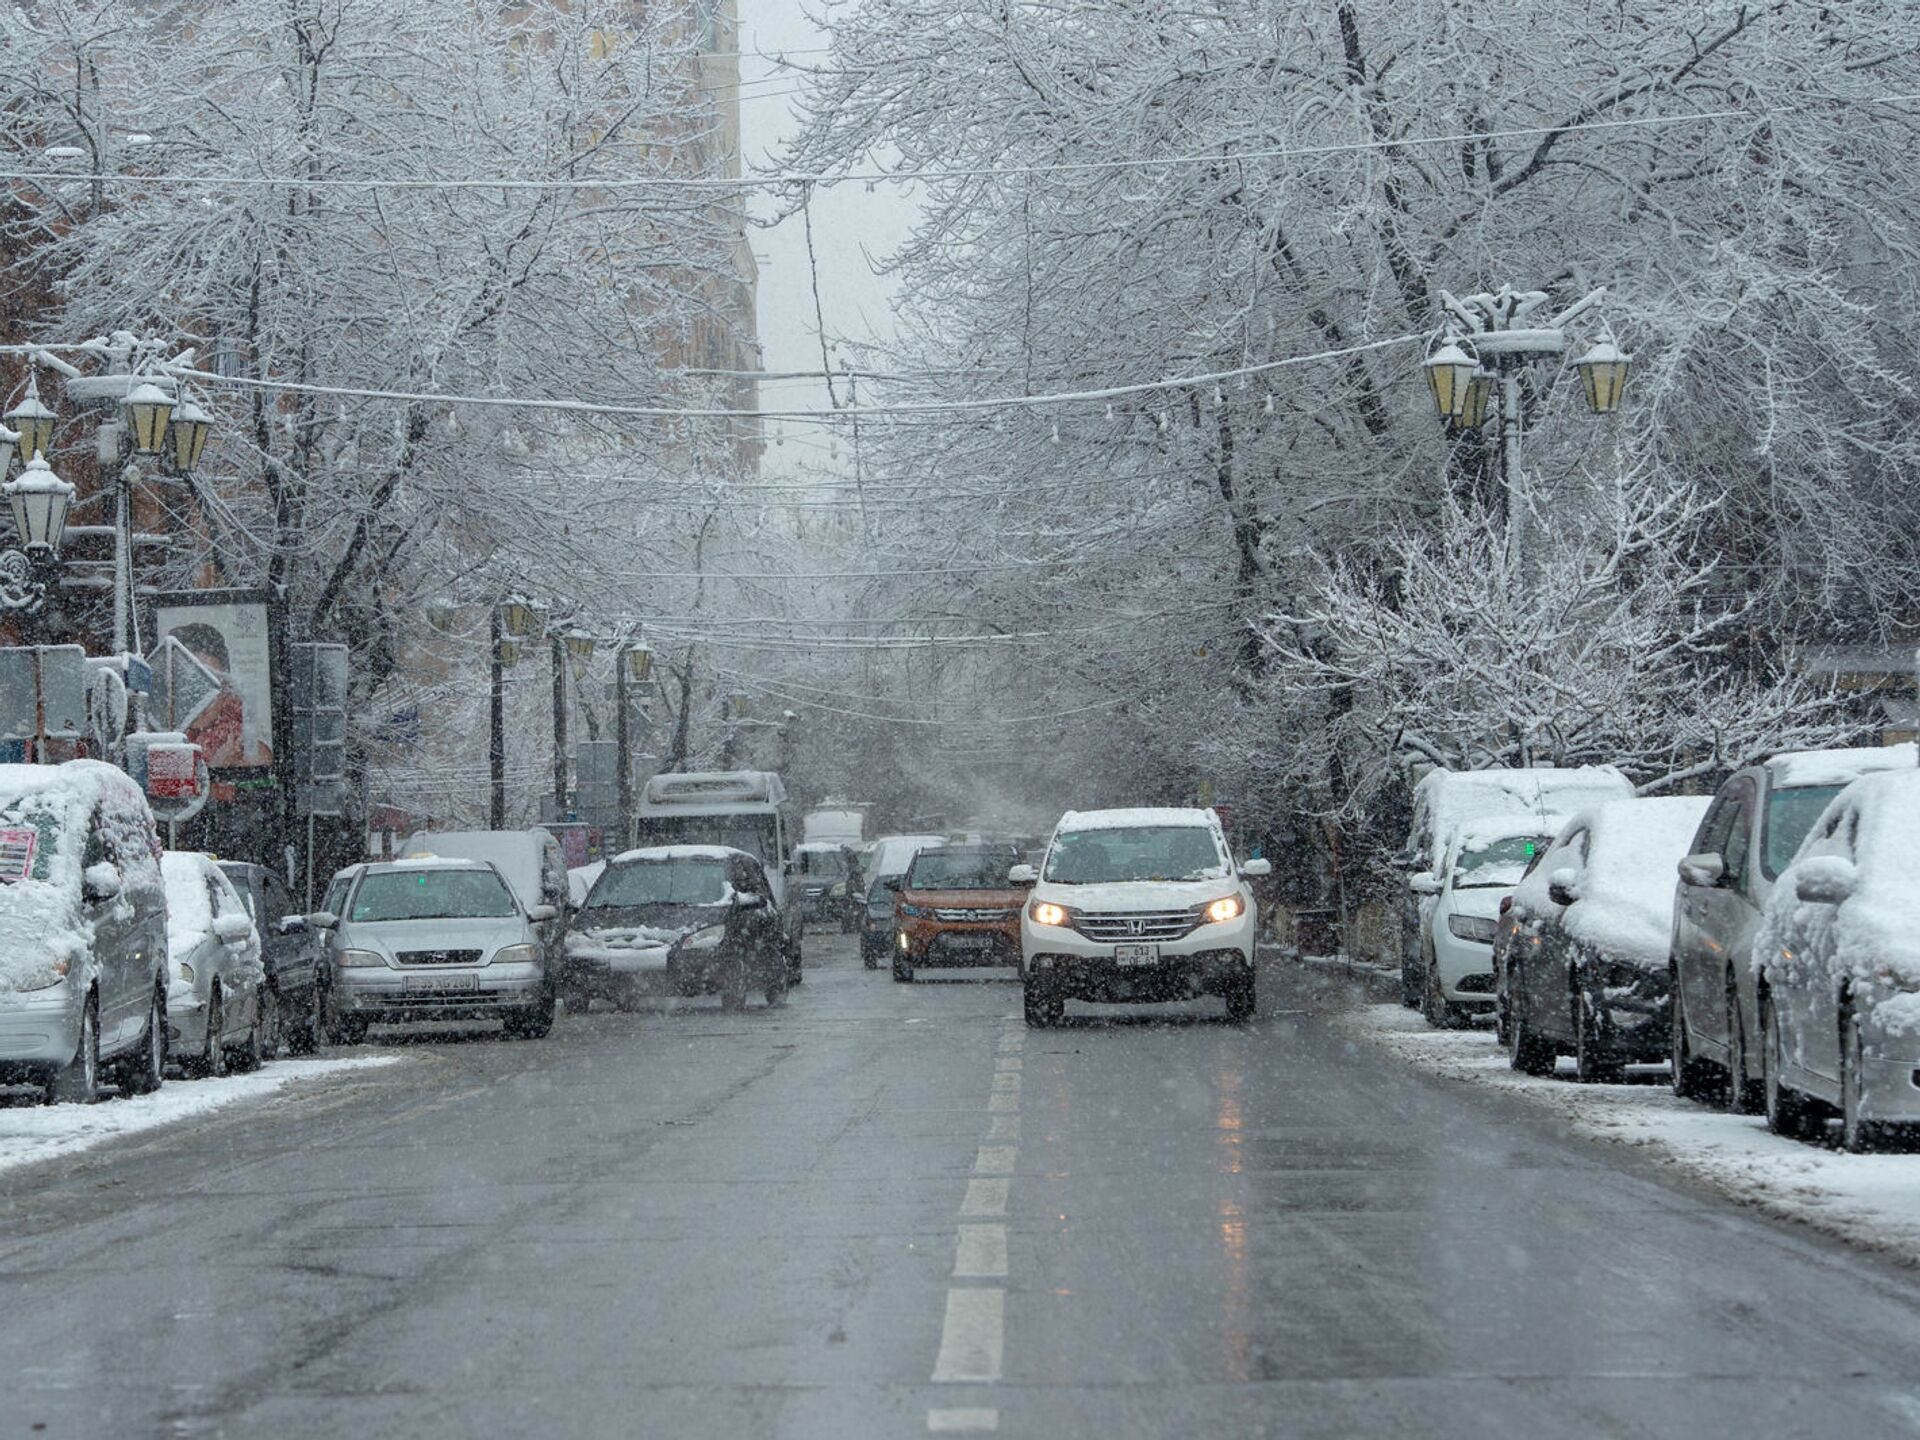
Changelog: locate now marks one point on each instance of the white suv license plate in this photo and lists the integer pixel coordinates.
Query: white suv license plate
(1136, 954)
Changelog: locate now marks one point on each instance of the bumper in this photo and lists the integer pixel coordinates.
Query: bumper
(1890, 1079)
(39, 1032)
(1172, 977)
(186, 1021)
(1464, 968)
(935, 945)
(452, 992)
(1630, 1005)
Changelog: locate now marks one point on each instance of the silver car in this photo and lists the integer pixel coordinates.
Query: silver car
(216, 1015)
(433, 939)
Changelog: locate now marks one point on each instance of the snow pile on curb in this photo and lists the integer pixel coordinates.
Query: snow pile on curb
(1868, 1200)
(30, 1134)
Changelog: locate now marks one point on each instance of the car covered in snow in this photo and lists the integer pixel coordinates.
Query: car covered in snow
(1758, 819)
(215, 978)
(680, 920)
(83, 932)
(956, 906)
(1444, 799)
(1586, 973)
(1138, 905)
(1838, 957)
(434, 939)
(1485, 860)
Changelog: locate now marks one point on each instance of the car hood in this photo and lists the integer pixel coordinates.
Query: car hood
(1483, 901)
(643, 926)
(964, 899)
(1137, 894)
(390, 936)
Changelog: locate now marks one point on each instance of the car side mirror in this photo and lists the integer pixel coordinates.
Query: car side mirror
(1563, 886)
(1424, 884)
(747, 900)
(1023, 875)
(892, 882)
(293, 925)
(1824, 879)
(1255, 868)
(1704, 870)
(540, 914)
(323, 920)
(100, 882)
(234, 930)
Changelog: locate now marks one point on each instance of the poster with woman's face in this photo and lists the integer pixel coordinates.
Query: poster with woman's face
(213, 674)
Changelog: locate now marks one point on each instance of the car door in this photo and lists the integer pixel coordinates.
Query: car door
(236, 965)
(1721, 910)
(1817, 996)
(121, 986)
(1549, 973)
(1699, 969)
(289, 956)
(759, 930)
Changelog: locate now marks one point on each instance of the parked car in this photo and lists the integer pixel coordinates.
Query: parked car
(1137, 905)
(1485, 860)
(433, 939)
(887, 858)
(216, 982)
(83, 932)
(823, 872)
(956, 906)
(1757, 822)
(1445, 798)
(291, 950)
(1839, 962)
(1587, 972)
(1506, 929)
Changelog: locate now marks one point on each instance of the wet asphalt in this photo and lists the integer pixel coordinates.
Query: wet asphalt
(680, 1222)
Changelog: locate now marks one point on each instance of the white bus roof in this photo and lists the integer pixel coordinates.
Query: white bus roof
(713, 791)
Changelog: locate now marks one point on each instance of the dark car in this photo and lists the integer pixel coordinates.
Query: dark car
(684, 919)
(291, 949)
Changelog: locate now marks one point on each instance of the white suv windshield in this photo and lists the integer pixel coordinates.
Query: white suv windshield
(1143, 852)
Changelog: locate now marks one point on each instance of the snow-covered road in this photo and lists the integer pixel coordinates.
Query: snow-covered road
(31, 1133)
(1867, 1200)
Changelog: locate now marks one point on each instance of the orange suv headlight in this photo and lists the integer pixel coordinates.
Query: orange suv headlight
(1045, 912)
(1227, 907)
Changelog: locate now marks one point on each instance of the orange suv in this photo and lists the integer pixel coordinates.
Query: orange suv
(955, 906)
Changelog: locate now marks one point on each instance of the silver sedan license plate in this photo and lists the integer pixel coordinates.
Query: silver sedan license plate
(1136, 954)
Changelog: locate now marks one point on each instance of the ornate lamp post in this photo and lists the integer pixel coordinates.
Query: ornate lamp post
(39, 500)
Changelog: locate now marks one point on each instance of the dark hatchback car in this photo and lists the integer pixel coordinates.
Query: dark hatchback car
(291, 949)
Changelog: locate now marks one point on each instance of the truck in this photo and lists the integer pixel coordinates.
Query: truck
(834, 825)
(740, 809)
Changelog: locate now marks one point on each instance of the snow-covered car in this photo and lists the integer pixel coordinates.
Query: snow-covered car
(434, 939)
(1485, 860)
(216, 982)
(1137, 905)
(1838, 957)
(683, 920)
(1587, 971)
(1444, 799)
(956, 906)
(83, 932)
(1758, 819)
(886, 859)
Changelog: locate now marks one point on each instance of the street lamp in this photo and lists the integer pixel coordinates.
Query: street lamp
(1603, 375)
(639, 664)
(1450, 370)
(1474, 398)
(518, 618)
(148, 408)
(40, 500)
(580, 645)
(33, 419)
(188, 434)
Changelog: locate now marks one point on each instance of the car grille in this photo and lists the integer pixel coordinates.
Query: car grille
(437, 957)
(982, 917)
(1123, 925)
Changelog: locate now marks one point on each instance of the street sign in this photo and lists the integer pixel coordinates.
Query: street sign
(183, 687)
(173, 771)
(43, 696)
(320, 727)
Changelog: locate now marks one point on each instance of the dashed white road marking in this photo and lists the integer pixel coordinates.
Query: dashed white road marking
(959, 1421)
(1004, 1102)
(973, 1337)
(995, 1159)
(1003, 1127)
(1007, 1062)
(981, 1253)
(985, 1197)
(1007, 1081)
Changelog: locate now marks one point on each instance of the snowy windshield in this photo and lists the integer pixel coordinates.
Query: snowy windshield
(1790, 815)
(660, 882)
(432, 895)
(959, 870)
(1499, 862)
(1146, 852)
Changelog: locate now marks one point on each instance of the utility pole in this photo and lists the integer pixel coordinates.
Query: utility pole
(622, 751)
(559, 647)
(496, 722)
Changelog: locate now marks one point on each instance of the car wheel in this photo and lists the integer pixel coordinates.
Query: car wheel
(1746, 1094)
(868, 958)
(1440, 1012)
(776, 991)
(212, 1060)
(1041, 1007)
(903, 971)
(1789, 1113)
(1593, 1064)
(79, 1082)
(1243, 1000)
(1858, 1135)
(1526, 1052)
(1692, 1078)
(535, 1022)
(143, 1072)
(1501, 1032)
(303, 1035)
(344, 1029)
(1410, 986)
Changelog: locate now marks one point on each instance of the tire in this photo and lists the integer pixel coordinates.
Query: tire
(1789, 1113)
(535, 1022)
(303, 1037)
(1744, 1094)
(212, 1061)
(346, 1029)
(144, 1071)
(733, 990)
(1527, 1052)
(776, 991)
(1243, 1000)
(1592, 1063)
(1439, 1012)
(1410, 984)
(868, 958)
(1040, 1008)
(1692, 1078)
(78, 1083)
(1501, 1034)
(903, 971)
(263, 1040)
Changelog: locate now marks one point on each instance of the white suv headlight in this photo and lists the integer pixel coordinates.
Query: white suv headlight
(1227, 907)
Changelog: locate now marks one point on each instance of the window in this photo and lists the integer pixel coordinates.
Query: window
(279, 903)
(660, 882)
(960, 870)
(1790, 815)
(1131, 853)
(432, 895)
(1739, 839)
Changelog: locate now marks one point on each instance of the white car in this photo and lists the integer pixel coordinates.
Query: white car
(1484, 861)
(215, 977)
(1137, 905)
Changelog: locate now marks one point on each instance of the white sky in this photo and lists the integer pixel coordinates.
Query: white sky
(849, 222)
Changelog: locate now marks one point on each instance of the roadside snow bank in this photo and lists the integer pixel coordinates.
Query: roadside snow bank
(1872, 1201)
(31, 1133)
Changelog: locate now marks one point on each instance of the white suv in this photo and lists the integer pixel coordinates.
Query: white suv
(1137, 905)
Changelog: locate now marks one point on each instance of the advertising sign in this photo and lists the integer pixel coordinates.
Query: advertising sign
(173, 772)
(16, 854)
(213, 674)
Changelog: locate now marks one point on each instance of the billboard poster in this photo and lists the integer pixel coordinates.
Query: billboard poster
(213, 674)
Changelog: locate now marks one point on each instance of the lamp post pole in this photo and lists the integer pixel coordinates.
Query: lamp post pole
(559, 647)
(622, 751)
(496, 721)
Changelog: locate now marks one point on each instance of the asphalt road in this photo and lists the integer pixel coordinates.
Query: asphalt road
(888, 1210)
